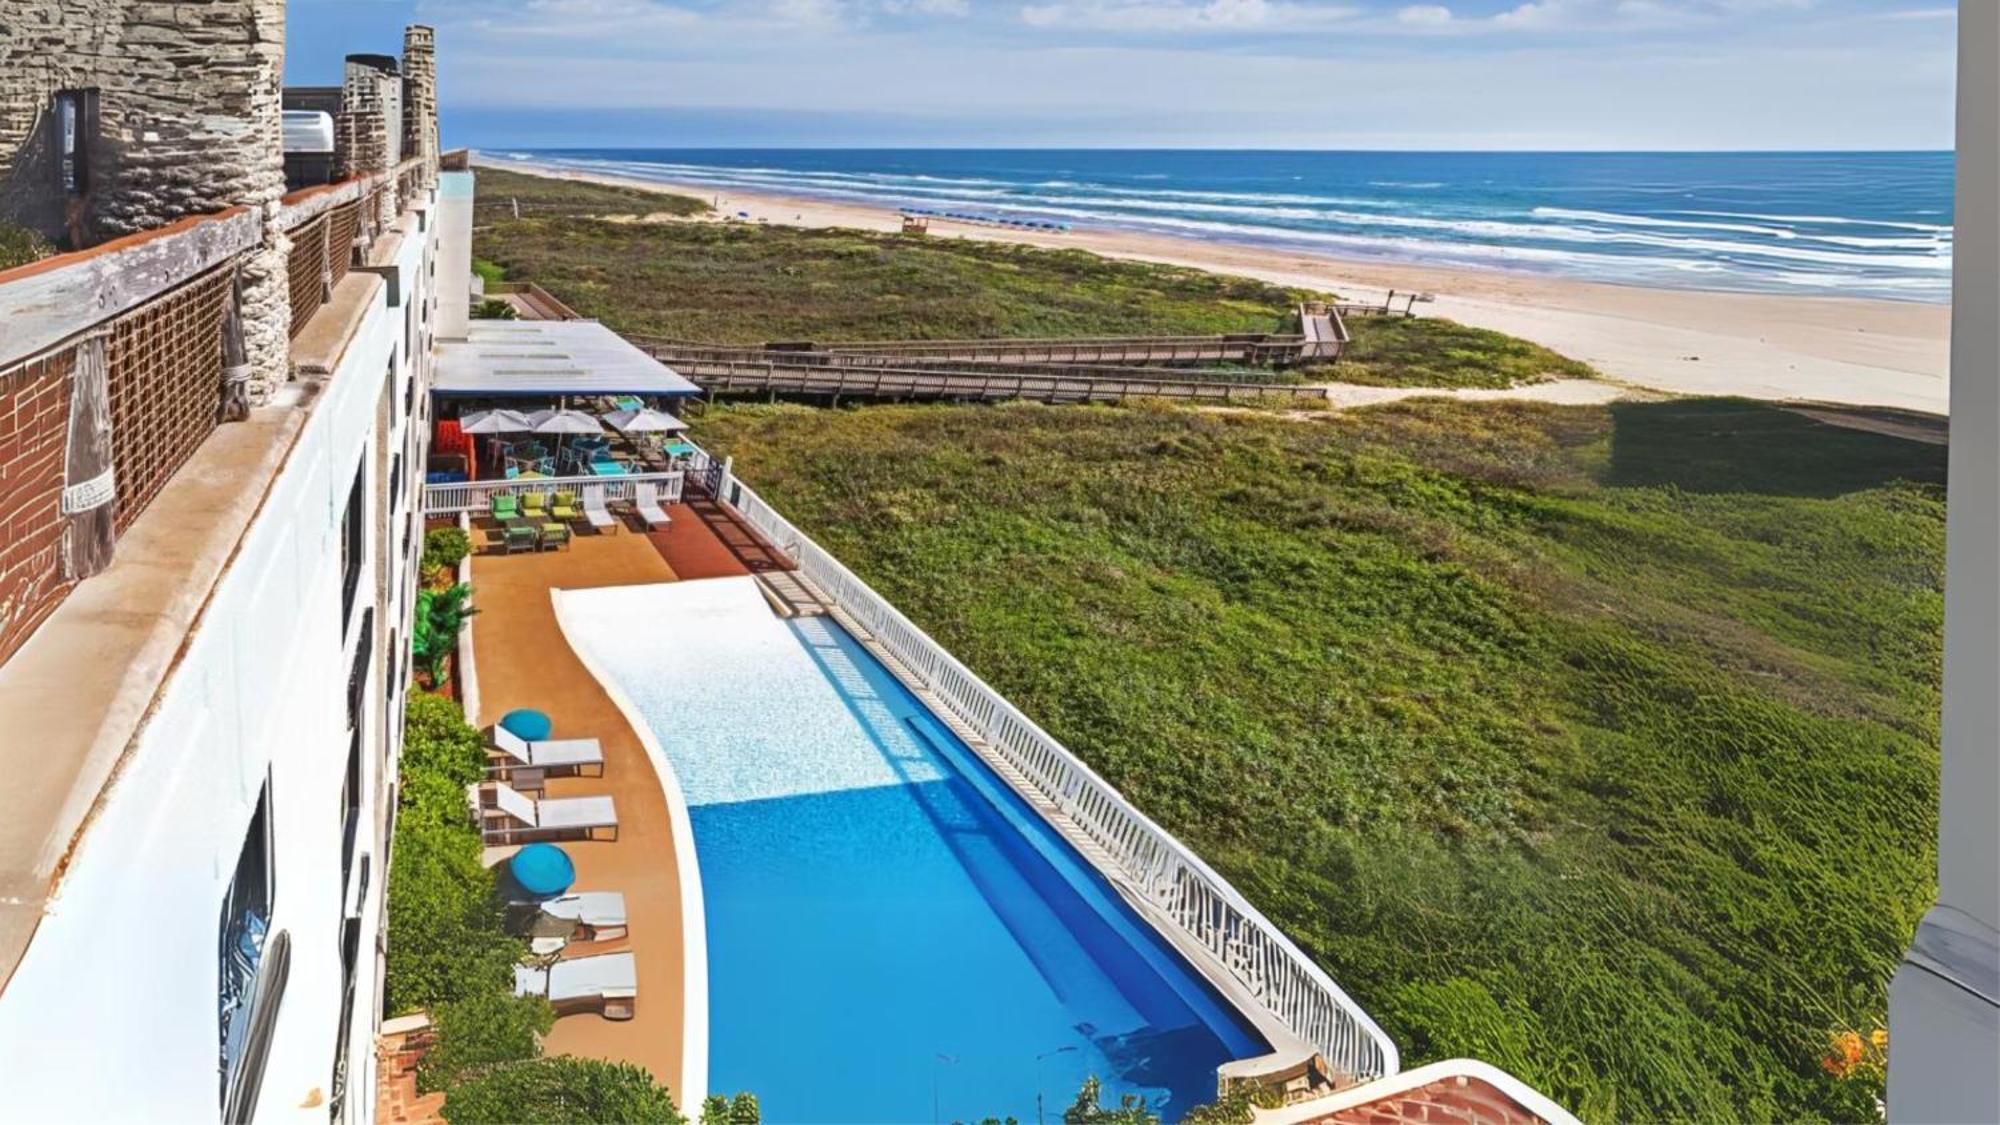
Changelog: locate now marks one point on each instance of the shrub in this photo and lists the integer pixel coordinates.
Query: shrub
(445, 548)
(553, 1091)
(19, 246)
(494, 309)
(739, 1110)
(447, 940)
(437, 740)
(1089, 1108)
(482, 1030)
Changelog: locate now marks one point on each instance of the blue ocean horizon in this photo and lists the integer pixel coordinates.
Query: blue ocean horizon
(1856, 224)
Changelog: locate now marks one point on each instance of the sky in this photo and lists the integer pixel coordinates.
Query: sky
(1306, 74)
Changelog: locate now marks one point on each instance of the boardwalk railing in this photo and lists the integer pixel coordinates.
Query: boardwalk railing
(477, 496)
(1150, 863)
(779, 377)
(1148, 350)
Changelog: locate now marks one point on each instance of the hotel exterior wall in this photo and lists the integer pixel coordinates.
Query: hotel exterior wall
(261, 691)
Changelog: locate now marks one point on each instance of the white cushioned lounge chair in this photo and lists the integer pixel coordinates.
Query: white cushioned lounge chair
(607, 984)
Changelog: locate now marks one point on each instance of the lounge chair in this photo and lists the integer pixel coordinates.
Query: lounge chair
(564, 507)
(508, 816)
(555, 535)
(556, 756)
(607, 984)
(522, 539)
(503, 508)
(595, 510)
(535, 505)
(593, 915)
(647, 502)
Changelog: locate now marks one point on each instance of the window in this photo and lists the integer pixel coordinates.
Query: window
(353, 540)
(357, 676)
(253, 966)
(76, 128)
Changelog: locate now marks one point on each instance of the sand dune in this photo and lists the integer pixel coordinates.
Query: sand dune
(1814, 349)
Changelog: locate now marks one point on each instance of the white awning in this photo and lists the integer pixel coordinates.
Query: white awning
(545, 358)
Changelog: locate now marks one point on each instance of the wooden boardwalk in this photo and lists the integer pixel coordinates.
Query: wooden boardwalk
(790, 378)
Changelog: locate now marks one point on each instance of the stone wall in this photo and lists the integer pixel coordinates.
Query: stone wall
(189, 100)
(34, 426)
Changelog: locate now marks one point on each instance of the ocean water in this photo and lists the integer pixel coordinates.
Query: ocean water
(1854, 224)
(892, 935)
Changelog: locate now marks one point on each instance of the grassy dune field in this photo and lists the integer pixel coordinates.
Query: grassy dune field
(1596, 742)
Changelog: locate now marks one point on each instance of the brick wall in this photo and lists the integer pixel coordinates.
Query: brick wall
(34, 429)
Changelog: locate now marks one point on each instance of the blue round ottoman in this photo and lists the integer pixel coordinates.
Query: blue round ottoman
(543, 870)
(533, 726)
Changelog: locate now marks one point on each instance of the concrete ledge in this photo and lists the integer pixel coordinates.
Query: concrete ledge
(316, 351)
(76, 695)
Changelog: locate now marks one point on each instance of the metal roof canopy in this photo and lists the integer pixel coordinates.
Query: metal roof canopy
(543, 358)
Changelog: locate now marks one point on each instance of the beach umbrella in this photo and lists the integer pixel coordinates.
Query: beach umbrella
(646, 421)
(495, 422)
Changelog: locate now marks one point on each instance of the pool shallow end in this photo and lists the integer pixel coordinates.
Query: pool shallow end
(694, 920)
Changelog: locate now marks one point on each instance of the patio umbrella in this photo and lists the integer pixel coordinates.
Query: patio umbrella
(561, 422)
(495, 422)
(543, 870)
(648, 421)
(564, 422)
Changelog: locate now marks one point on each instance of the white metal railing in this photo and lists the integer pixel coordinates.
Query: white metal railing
(477, 495)
(1151, 863)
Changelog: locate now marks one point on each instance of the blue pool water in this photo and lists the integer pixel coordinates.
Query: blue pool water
(892, 935)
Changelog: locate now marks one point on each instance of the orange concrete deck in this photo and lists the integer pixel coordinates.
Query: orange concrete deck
(523, 661)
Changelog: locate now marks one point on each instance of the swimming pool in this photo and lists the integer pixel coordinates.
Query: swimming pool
(892, 934)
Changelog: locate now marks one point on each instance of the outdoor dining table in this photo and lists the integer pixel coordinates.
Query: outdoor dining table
(609, 469)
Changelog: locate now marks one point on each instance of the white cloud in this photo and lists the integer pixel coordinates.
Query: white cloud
(954, 8)
(1166, 15)
(1424, 15)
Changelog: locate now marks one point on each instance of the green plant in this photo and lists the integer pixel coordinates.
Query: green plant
(1089, 1108)
(19, 246)
(434, 633)
(1237, 1107)
(558, 1091)
(488, 272)
(446, 547)
(483, 1029)
(742, 1109)
(493, 308)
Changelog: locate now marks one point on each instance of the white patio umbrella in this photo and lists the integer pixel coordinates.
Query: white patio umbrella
(564, 422)
(495, 422)
(647, 421)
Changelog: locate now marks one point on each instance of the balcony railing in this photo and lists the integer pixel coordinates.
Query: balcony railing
(477, 496)
(1150, 863)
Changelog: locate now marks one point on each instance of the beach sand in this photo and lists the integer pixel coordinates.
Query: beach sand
(1784, 348)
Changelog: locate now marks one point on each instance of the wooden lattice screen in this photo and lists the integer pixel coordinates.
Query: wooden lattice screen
(306, 269)
(165, 374)
(343, 225)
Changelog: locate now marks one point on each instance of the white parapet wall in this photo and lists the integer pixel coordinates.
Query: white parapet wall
(454, 258)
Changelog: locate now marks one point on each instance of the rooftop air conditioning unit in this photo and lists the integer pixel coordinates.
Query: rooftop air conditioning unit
(308, 148)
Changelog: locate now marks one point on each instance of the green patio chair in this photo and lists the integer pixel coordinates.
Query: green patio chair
(555, 535)
(503, 508)
(564, 507)
(521, 539)
(535, 505)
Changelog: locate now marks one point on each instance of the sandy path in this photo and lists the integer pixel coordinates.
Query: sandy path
(1822, 349)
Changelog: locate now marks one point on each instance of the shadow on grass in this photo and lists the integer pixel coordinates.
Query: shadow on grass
(1734, 445)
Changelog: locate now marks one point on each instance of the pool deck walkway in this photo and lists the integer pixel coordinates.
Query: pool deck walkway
(523, 661)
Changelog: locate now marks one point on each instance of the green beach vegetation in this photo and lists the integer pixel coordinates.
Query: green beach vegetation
(1596, 742)
(739, 283)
